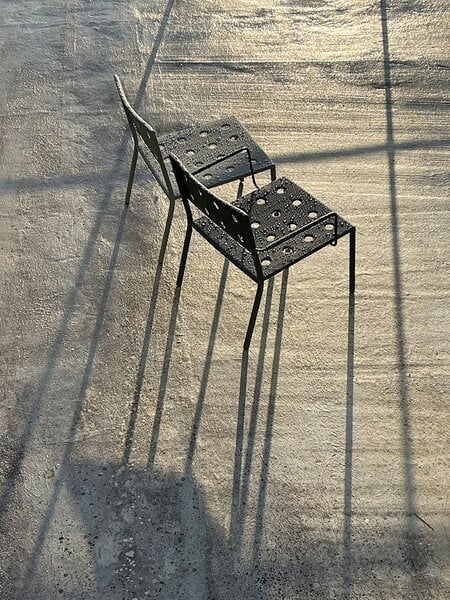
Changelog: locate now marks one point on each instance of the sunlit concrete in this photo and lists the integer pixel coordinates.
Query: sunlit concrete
(141, 456)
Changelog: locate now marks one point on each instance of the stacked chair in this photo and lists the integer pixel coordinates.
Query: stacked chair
(261, 233)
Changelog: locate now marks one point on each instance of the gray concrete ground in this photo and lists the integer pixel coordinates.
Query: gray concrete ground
(129, 468)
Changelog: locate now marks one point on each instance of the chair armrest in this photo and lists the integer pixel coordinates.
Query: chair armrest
(219, 160)
(292, 234)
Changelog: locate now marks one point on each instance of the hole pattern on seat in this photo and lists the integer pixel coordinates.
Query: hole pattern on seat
(202, 146)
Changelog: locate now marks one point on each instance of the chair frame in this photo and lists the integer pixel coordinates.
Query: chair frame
(193, 191)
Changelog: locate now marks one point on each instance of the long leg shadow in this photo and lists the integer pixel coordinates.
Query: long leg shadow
(264, 473)
(411, 542)
(206, 370)
(16, 466)
(240, 490)
(164, 379)
(347, 530)
(142, 364)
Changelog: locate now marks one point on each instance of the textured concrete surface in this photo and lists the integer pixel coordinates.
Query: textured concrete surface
(129, 467)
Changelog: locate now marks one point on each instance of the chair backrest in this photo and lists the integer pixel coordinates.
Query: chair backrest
(143, 132)
(233, 220)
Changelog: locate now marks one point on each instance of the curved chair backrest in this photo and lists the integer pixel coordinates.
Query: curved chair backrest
(233, 220)
(142, 131)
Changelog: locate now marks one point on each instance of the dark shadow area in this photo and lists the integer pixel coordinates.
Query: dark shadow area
(347, 529)
(54, 355)
(149, 534)
(411, 541)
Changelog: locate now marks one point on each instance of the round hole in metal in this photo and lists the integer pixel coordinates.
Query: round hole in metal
(203, 133)
(287, 250)
(276, 213)
(207, 176)
(260, 201)
(329, 226)
(190, 152)
(229, 169)
(270, 237)
(255, 224)
(226, 126)
(212, 145)
(296, 202)
(233, 138)
(281, 190)
(293, 226)
(265, 262)
(308, 239)
(312, 214)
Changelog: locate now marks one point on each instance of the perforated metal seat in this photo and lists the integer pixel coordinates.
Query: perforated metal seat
(201, 147)
(263, 232)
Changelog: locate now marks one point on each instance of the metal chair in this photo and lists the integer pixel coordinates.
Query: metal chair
(202, 146)
(264, 232)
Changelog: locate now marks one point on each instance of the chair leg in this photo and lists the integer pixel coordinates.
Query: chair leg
(166, 231)
(131, 175)
(187, 241)
(273, 173)
(251, 325)
(352, 261)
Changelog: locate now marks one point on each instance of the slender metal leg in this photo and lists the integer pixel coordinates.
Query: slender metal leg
(251, 325)
(131, 175)
(352, 260)
(166, 231)
(240, 189)
(187, 241)
(273, 172)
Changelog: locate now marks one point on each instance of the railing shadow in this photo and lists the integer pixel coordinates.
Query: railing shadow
(15, 468)
(411, 541)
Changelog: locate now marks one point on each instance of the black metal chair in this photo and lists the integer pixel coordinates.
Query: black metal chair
(202, 146)
(264, 232)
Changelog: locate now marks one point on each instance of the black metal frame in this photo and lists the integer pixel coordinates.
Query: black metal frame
(236, 224)
(142, 131)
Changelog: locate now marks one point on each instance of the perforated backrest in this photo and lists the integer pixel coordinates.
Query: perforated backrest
(234, 221)
(142, 131)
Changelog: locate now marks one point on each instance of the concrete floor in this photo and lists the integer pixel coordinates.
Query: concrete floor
(128, 467)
